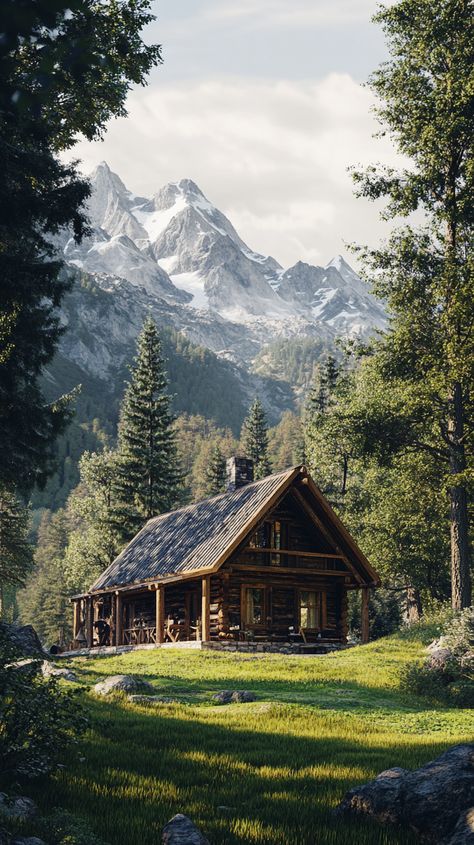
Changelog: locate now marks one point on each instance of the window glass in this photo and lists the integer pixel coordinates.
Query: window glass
(309, 609)
(255, 610)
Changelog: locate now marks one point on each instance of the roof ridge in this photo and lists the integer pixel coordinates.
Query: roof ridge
(228, 493)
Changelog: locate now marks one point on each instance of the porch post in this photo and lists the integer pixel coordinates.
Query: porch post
(118, 619)
(89, 629)
(160, 613)
(365, 615)
(76, 618)
(206, 610)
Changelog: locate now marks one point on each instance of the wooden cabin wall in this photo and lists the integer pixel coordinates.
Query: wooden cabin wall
(226, 591)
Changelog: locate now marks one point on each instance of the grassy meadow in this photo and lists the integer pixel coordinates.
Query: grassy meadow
(262, 773)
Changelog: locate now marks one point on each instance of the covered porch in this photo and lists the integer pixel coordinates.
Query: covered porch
(219, 608)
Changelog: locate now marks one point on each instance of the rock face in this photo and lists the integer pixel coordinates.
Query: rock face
(23, 638)
(180, 830)
(432, 800)
(122, 683)
(237, 696)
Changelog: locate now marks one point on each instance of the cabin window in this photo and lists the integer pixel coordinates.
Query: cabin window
(312, 609)
(254, 605)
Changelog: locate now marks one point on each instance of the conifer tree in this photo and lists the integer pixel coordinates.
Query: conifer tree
(254, 439)
(215, 472)
(16, 554)
(148, 471)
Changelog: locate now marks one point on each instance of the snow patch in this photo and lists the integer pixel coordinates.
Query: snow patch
(155, 222)
(192, 283)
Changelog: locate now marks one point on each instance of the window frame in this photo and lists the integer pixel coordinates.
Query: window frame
(321, 608)
(266, 605)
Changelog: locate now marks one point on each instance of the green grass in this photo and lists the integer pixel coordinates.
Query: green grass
(262, 773)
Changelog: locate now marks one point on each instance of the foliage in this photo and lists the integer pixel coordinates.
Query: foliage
(450, 680)
(37, 719)
(291, 359)
(254, 439)
(65, 68)
(215, 473)
(94, 542)
(385, 613)
(320, 726)
(63, 828)
(286, 442)
(45, 600)
(196, 437)
(148, 477)
(426, 362)
(16, 553)
(393, 504)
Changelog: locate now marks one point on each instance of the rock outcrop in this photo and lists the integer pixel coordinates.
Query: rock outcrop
(433, 801)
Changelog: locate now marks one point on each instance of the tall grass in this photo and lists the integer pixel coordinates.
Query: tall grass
(262, 773)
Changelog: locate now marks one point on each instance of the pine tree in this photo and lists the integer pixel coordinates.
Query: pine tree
(44, 602)
(16, 554)
(148, 471)
(215, 472)
(254, 438)
(65, 69)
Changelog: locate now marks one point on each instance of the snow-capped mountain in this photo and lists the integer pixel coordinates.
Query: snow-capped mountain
(182, 249)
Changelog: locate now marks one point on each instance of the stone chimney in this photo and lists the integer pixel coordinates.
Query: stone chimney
(239, 472)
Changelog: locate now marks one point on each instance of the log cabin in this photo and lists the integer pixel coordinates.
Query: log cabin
(267, 561)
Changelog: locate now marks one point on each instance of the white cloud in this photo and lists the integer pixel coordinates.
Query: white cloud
(297, 13)
(272, 155)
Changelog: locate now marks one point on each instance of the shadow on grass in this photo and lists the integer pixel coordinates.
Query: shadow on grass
(239, 782)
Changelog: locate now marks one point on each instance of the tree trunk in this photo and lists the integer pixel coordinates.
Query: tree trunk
(414, 606)
(459, 520)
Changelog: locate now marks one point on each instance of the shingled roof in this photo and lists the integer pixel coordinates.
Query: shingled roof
(192, 538)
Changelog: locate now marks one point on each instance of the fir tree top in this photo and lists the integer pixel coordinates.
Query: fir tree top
(255, 439)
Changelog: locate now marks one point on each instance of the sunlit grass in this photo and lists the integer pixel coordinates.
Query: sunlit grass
(264, 773)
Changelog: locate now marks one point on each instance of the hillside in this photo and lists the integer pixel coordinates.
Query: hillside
(265, 772)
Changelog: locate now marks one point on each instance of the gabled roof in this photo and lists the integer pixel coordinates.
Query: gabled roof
(200, 537)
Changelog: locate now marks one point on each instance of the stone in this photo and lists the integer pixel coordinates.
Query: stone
(51, 670)
(121, 683)
(151, 699)
(243, 697)
(28, 840)
(439, 657)
(464, 830)
(180, 830)
(237, 696)
(23, 638)
(21, 808)
(428, 800)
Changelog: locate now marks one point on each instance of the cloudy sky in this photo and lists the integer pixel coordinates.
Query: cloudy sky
(260, 102)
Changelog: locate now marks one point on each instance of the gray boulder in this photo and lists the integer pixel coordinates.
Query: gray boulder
(237, 696)
(23, 639)
(464, 830)
(428, 800)
(180, 830)
(121, 683)
(50, 670)
(20, 809)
